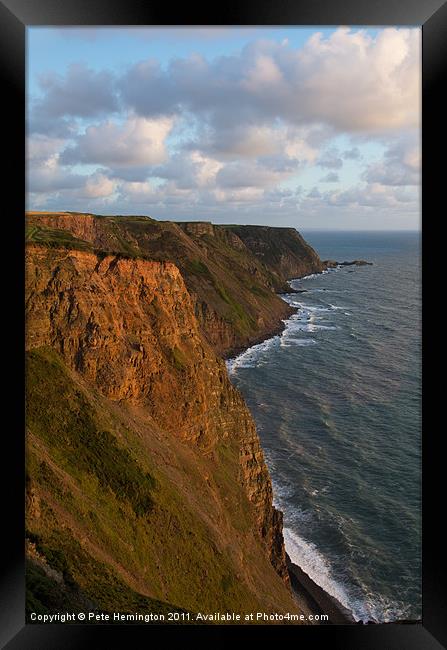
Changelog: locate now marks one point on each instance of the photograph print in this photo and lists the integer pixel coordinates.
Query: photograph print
(223, 325)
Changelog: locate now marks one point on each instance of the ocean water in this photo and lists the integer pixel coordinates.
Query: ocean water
(337, 403)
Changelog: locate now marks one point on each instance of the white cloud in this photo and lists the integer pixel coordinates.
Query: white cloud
(240, 195)
(373, 196)
(139, 141)
(46, 174)
(360, 83)
(99, 186)
(264, 74)
(42, 147)
(349, 80)
(206, 168)
(248, 174)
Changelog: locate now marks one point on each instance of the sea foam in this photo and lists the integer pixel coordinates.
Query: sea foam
(311, 561)
(251, 357)
(317, 567)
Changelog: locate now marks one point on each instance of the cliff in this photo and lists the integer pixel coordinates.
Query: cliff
(283, 250)
(146, 484)
(232, 273)
(147, 487)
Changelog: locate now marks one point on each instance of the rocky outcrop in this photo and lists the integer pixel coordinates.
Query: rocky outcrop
(127, 327)
(332, 264)
(198, 228)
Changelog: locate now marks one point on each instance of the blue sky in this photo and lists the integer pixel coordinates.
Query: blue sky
(309, 127)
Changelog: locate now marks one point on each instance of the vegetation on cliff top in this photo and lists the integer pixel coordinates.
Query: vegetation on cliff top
(54, 238)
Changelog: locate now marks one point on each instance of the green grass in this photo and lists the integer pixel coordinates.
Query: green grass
(178, 358)
(239, 317)
(198, 268)
(45, 594)
(62, 416)
(101, 491)
(258, 291)
(54, 238)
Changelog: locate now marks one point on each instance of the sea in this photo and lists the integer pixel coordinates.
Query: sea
(337, 402)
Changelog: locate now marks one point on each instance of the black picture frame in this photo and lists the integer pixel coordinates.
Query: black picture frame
(15, 16)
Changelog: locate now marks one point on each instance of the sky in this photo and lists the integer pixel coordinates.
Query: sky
(310, 127)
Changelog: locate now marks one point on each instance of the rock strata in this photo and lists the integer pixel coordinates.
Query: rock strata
(126, 330)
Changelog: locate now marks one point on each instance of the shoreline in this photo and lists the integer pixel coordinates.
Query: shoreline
(268, 334)
(279, 329)
(309, 596)
(314, 600)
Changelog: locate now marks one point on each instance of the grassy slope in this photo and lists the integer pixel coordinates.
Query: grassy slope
(54, 238)
(127, 534)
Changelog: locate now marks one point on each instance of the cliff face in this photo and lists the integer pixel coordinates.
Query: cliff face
(134, 426)
(146, 483)
(282, 249)
(231, 272)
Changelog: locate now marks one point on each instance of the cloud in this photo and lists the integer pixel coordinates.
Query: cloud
(139, 192)
(51, 177)
(277, 145)
(239, 195)
(42, 147)
(193, 169)
(139, 141)
(190, 169)
(40, 123)
(44, 171)
(200, 137)
(330, 159)
(82, 92)
(314, 194)
(332, 177)
(349, 80)
(373, 196)
(248, 175)
(149, 91)
(360, 83)
(352, 208)
(264, 73)
(400, 165)
(99, 186)
(352, 154)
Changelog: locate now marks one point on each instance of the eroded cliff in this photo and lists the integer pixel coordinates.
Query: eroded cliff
(146, 479)
(232, 273)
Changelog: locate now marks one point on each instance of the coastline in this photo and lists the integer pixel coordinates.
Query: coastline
(309, 596)
(314, 600)
(268, 334)
(279, 329)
